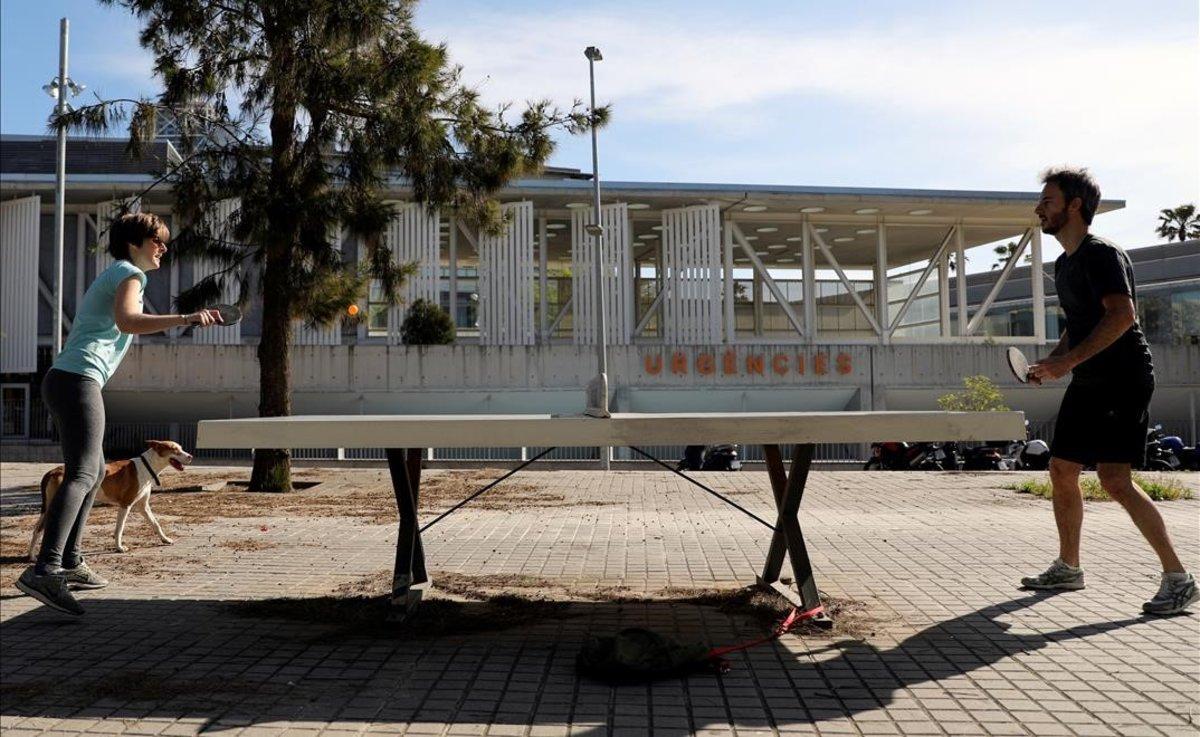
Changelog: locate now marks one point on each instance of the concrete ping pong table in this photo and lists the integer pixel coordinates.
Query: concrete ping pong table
(405, 436)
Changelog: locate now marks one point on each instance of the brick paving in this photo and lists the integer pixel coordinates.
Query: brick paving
(948, 645)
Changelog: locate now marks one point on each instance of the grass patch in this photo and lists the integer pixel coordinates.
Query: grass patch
(1158, 488)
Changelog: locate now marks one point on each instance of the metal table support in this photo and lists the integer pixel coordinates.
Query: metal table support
(788, 538)
(410, 578)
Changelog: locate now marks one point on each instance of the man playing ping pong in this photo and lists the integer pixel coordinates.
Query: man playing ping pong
(1105, 411)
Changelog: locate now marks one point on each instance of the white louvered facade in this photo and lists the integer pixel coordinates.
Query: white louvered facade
(618, 281)
(331, 334)
(413, 237)
(506, 280)
(692, 265)
(222, 212)
(19, 242)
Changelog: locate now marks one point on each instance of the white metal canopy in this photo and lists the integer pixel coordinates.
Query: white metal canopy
(510, 431)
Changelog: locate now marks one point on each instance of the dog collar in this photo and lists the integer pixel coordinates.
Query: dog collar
(149, 468)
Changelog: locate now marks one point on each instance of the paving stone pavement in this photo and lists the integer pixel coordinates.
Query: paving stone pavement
(947, 644)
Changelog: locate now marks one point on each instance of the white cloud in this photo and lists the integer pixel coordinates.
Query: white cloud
(996, 96)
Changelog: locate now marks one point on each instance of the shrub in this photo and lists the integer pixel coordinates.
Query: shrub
(427, 324)
(1160, 489)
(980, 395)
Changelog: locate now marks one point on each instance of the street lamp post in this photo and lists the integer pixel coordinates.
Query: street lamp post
(597, 399)
(60, 88)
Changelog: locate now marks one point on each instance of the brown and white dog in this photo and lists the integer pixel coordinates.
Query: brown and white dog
(126, 484)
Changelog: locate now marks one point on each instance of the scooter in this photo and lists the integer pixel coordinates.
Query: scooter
(710, 458)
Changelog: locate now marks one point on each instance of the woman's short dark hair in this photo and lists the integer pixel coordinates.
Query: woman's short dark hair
(134, 229)
(1076, 182)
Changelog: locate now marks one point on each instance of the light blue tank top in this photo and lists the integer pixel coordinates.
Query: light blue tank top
(95, 346)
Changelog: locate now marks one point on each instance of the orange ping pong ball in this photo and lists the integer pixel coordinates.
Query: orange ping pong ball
(352, 310)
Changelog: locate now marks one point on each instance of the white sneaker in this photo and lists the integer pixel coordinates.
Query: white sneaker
(1059, 576)
(1174, 596)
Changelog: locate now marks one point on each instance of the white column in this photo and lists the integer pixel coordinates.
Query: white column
(727, 252)
(81, 223)
(1039, 288)
(543, 282)
(961, 277)
(757, 292)
(452, 258)
(944, 295)
(881, 286)
(810, 283)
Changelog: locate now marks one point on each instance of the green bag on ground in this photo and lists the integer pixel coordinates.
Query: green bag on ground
(637, 655)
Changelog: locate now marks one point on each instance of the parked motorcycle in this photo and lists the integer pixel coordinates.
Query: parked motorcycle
(984, 458)
(1189, 458)
(1028, 454)
(1161, 456)
(710, 458)
(901, 456)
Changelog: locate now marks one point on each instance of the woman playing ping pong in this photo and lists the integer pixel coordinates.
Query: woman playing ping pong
(105, 323)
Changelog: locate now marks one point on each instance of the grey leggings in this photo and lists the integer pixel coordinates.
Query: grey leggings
(78, 410)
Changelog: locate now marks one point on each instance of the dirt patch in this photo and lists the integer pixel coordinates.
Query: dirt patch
(248, 545)
(462, 604)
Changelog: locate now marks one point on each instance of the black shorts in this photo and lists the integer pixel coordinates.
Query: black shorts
(1103, 424)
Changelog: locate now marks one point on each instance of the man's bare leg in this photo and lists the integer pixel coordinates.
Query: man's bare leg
(1068, 508)
(1117, 480)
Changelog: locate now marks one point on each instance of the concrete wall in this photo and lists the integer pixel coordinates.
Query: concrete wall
(182, 383)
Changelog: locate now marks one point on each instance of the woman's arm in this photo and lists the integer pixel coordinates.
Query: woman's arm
(127, 309)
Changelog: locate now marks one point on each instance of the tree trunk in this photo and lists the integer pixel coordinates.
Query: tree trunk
(272, 468)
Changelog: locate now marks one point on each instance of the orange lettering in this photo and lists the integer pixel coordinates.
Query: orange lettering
(653, 364)
(754, 365)
(678, 363)
(779, 364)
(705, 364)
(800, 363)
(843, 363)
(821, 364)
(729, 361)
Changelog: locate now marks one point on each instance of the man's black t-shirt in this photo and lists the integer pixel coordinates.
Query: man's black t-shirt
(1095, 270)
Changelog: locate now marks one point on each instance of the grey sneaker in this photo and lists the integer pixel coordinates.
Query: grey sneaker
(83, 577)
(50, 589)
(1058, 576)
(1173, 596)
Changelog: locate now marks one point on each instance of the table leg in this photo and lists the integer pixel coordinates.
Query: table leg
(405, 468)
(789, 491)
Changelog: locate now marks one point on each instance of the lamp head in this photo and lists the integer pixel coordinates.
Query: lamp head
(593, 54)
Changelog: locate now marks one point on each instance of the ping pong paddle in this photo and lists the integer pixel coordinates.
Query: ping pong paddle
(1019, 364)
(230, 314)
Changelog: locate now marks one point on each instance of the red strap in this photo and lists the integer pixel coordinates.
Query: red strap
(785, 625)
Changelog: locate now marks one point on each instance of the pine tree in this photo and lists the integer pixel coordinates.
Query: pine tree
(303, 110)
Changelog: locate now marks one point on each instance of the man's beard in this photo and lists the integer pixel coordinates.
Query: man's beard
(1055, 223)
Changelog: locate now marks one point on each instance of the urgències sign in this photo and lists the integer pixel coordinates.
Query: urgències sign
(734, 364)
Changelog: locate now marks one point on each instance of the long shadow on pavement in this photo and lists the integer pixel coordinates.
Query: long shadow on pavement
(189, 659)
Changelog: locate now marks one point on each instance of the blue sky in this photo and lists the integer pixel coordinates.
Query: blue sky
(964, 95)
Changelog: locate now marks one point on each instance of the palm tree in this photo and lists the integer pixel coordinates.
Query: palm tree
(1005, 252)
(302, 111)
(1180, 223)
